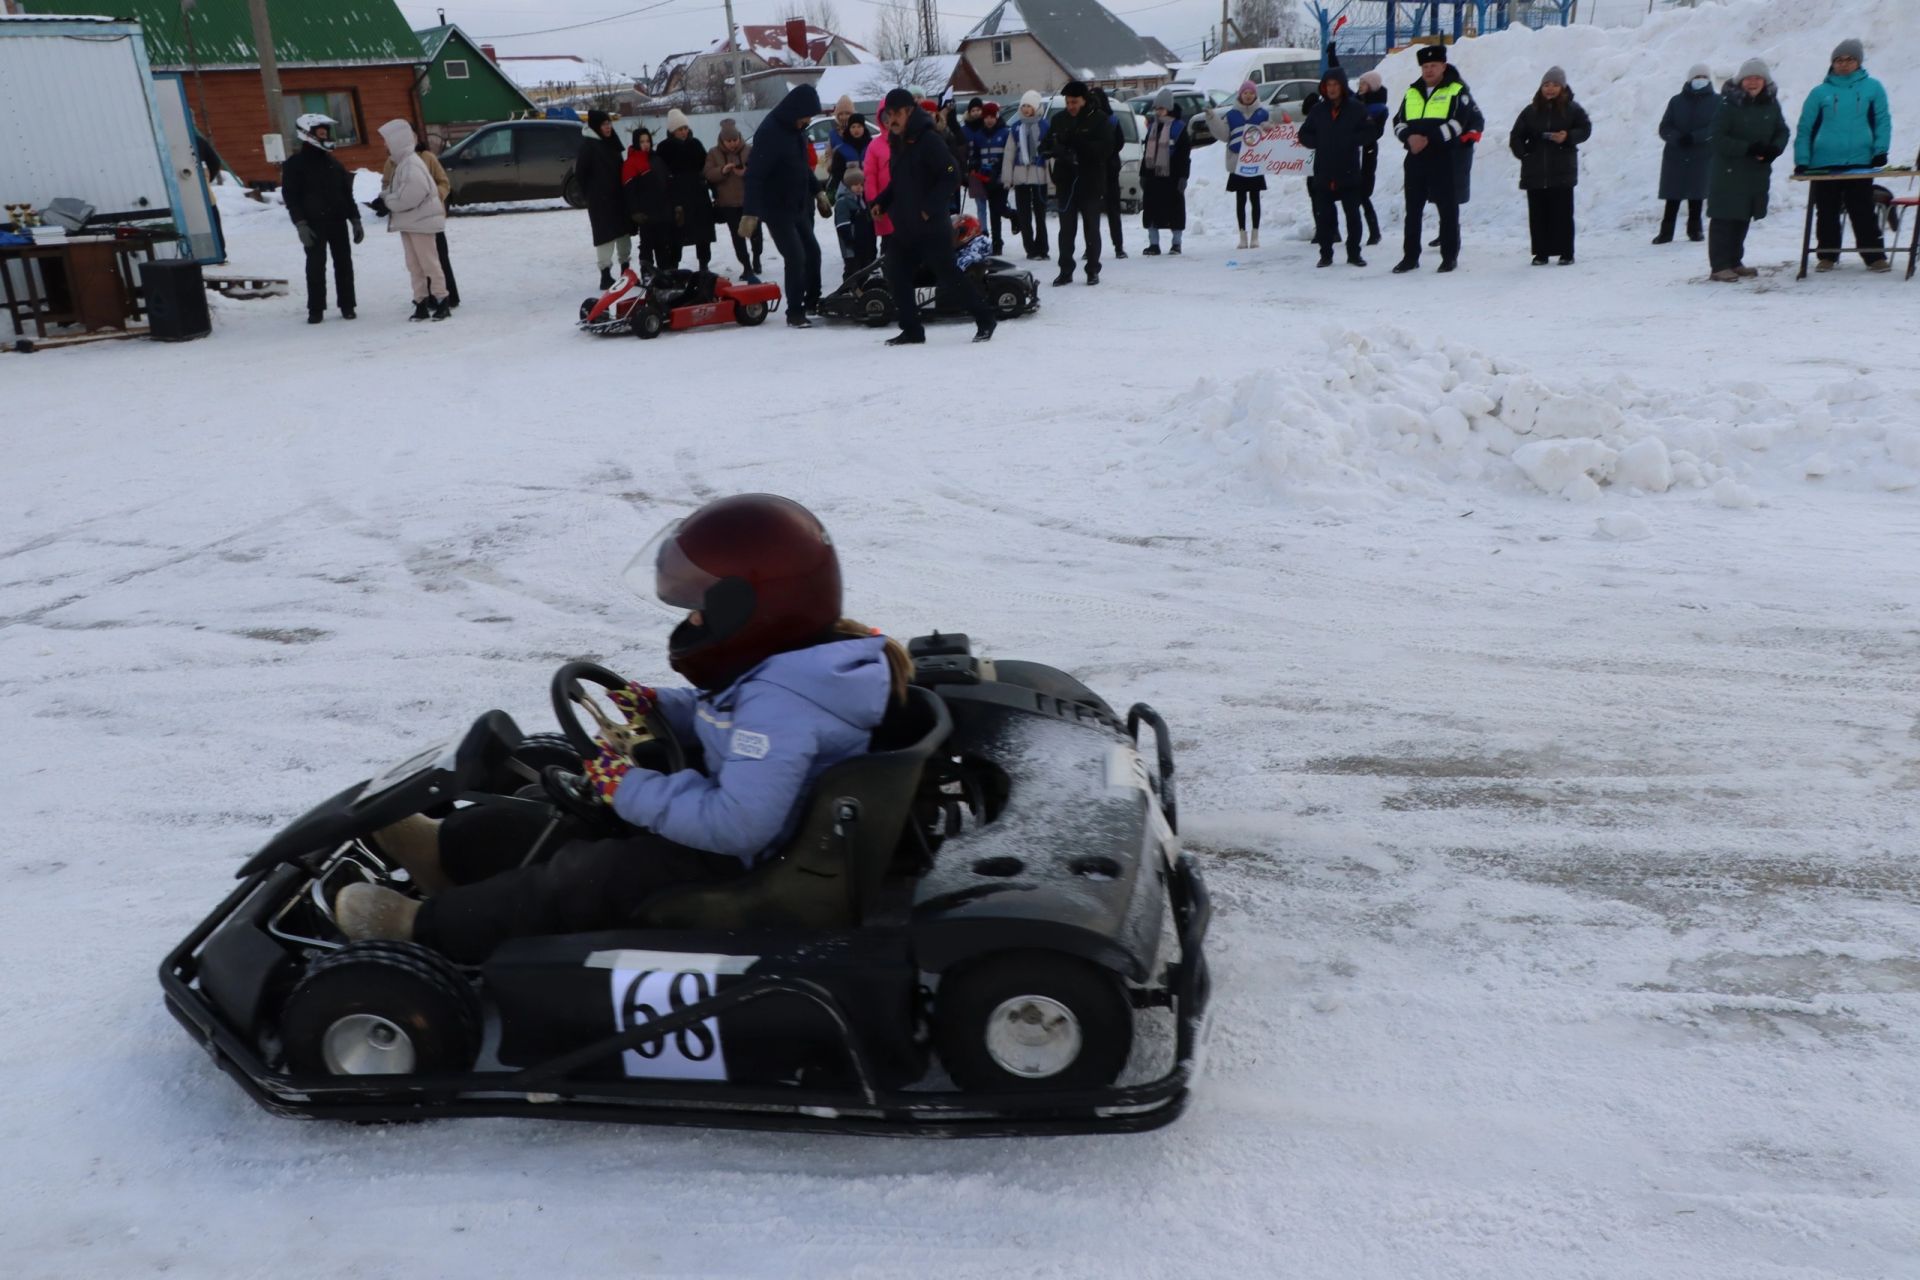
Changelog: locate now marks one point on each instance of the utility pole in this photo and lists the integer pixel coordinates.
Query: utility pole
(269, 69)
(733, 62)
(1227, 24)
(193, 56)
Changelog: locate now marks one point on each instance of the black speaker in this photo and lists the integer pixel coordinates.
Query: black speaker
(176, 300)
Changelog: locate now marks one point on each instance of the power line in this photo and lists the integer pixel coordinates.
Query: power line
(514, 35)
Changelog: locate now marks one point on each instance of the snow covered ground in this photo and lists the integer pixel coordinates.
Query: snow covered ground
(1562, 833)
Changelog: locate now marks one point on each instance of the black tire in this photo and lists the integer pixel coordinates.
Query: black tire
(570, 192)
(647, 323)
(399, 988)
(1008, 301)
(876, 308)
(970, 998)
(586, 308)
(750, 313)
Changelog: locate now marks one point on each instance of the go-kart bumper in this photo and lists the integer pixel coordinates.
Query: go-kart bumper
(226, 963)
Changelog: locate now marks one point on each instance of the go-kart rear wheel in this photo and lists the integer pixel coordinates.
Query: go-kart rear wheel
(749, 313)
(1008, 301)
(1026, 1021)
(646, 322)
(876, 308)
(380, 1008)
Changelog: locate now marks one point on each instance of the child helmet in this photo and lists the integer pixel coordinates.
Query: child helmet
(760, 570)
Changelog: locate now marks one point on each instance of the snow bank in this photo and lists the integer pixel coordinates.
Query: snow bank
(1354, 418)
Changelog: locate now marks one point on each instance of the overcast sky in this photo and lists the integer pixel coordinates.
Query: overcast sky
(640, 40)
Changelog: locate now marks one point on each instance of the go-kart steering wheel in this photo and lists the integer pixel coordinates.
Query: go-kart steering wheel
(569, 692)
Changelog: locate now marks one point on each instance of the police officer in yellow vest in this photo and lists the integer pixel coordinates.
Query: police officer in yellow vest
(1436, 111)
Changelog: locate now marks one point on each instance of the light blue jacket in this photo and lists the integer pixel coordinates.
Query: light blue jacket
(766, 737)
(1844, 123)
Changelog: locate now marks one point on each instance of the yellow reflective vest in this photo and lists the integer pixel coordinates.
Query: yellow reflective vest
(1435, 106)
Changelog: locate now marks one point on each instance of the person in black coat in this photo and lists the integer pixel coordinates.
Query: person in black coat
(1080, 142)
(925, 180)
(780, 190)
(1370, 93)
(1546, 141)
(1337, 130)
(649, 204)
(1687, 162)
(1118, 138)
(1437, 115)
(318, 194)
(684, 159)
(597, 170)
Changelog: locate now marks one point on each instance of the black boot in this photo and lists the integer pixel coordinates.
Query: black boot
(421, 310)
(606, 279)
(346, 313)
(985, 331)
(1065, 276)
(1354, 259)
(315, 317)
(1326, 258)
(1405, 265)
(441, 310)
(1446, 265)
(906, 339)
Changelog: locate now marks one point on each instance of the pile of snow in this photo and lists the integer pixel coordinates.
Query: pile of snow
(1624, 77)
(1353, 419)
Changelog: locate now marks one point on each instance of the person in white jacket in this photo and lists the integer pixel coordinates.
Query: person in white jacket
(414, 210)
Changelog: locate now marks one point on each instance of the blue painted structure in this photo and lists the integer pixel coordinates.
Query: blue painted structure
(1377, 27)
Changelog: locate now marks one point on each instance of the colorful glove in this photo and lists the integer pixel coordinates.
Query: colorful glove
(605, 772)
(636, 701)
(359, 232)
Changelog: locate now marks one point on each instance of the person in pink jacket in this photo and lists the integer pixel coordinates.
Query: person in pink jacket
(878, 167)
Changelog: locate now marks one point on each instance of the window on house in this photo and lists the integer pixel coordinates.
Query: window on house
(337, 104)
(1002, 51)
(456, 68)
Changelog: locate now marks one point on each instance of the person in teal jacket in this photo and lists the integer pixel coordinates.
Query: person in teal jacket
(1845, 124)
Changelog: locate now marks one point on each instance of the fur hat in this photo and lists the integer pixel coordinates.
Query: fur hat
(1755, 67)
(896, 99)
(1555, 75)
(1032, 98)
(1700, 71)
(677, 119)
(1432, 53)
(1849, 48)
(1074, 89)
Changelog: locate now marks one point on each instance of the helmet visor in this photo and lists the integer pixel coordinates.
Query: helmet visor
(662, 575)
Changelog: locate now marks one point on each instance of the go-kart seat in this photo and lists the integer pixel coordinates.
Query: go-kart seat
(829, 873)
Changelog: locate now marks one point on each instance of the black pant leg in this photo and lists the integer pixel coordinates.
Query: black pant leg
(1539, 220)
(1415, 232)
(1069, 227)
(1449, 229)
(1350, 205)
(1668, 218)
(787, 234)
(587, 885)
(1694, 208)
(1373, 218)
(1110, 201)
(316, 272)
(1862, 213)
(810, 252)
(1563, 213)
(1829, 203)
(902, 263)
(1720, 251)
(1090, 225)
(340, 240)
(1326, 220)
(446, 268)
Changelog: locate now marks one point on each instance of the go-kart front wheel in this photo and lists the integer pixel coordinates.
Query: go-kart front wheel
(1008, 301)
(876, 308)
(380, 1008)
(750, 313)
(646, 322)
(1026, 1021)
(586, 308)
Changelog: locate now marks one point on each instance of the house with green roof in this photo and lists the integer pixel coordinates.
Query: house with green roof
(463, 87)
(357, 61)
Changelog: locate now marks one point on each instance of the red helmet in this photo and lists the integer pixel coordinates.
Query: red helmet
(762, 572)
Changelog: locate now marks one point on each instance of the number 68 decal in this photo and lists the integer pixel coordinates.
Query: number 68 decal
(693, 1052)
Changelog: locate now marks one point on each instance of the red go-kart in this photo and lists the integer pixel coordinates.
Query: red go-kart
(676, 300)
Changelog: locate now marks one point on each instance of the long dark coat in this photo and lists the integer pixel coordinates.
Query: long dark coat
(1742, 126)
(1544, 165)
(1163, 204)
(597, 169)
(1687, 128)
(1338, 140)
(685, 162)
(1377, 113)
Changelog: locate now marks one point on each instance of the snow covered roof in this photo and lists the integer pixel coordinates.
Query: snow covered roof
(869, 82)
(1081, 35)
(539, 71)
(338, 33)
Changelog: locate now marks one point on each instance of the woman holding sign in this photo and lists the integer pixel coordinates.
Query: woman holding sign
(1245, 180)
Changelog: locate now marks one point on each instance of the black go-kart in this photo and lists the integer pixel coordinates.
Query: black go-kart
(866, 296)
(986, 925)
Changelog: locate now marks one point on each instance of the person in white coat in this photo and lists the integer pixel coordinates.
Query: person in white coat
(414, 210)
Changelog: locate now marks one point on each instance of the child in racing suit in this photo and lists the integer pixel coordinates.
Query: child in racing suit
(784, 688)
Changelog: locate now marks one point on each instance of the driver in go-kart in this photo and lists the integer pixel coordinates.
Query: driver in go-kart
(784, 688)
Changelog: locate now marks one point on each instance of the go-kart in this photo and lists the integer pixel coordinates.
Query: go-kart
(986, 925)
(676, 299)
(867, 296)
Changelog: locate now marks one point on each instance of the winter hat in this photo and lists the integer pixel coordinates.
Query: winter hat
(845, 104)
(1074, 89)
(1755, 67)
(1368, 82)
(1032, 98)
(677, 119)
(896, 99)
(729, 131)
(1849, 48)
(1432, 53)
(595, 119)
(978, 104)
(1163, 99)
(1700, 71)
(1246, 87)
(1555, 76)
(991, 111)
(929, 106)
(855, 176)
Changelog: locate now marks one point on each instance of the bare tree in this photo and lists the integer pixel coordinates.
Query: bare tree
(1274, 23)
(706, 89)
(927, 74)
(896, 32)
(601, 87)
(824, 14)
